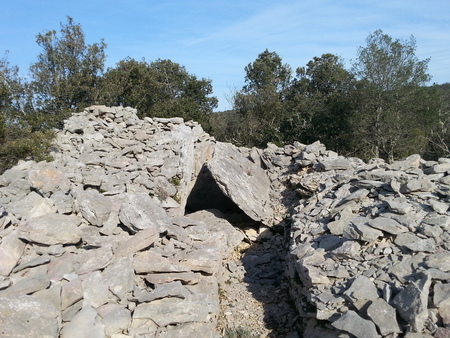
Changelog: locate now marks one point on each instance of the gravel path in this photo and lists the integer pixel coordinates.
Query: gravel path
(254, 297)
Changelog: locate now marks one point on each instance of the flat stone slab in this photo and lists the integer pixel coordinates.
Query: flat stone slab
(28, 316)
(242, 181)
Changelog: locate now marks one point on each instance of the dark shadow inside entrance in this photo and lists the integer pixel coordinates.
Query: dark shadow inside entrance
(206, 195)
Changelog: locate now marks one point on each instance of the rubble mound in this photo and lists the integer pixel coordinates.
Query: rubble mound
(139, 226)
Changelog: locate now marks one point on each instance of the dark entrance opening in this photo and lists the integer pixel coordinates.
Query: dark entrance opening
(206, 194)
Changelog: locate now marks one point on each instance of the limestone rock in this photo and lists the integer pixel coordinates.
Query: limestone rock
(352, 323)
(139, 211)
(412, 303)
(51, 229)
(384, 317)
(242, 181)
(28, 316)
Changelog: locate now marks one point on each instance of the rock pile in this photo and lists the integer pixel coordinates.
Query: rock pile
(96, 243)
(370, 248)
(127, 233)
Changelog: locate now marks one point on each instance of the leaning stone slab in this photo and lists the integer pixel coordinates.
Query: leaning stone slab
(33, 205)
(28, 316)
(358, 229)
(51, 229)
(94, 206)
(242, 181)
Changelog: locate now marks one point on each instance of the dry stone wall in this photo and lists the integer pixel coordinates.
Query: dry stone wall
(98, 242)
(369, 248)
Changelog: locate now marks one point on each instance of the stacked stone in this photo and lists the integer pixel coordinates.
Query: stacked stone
(369, 249)
(96, 243)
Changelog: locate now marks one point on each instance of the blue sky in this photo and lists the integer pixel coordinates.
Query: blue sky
(217, 39)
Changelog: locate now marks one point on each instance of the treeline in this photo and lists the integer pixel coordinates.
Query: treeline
(69, 75)
(381, 107)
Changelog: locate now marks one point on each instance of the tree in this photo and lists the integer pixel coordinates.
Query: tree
(179, 93)
(160, 89)
(67, 73)
(261, 100)
(319, 104)
(17, 139)
(439, 138)
(391, 119)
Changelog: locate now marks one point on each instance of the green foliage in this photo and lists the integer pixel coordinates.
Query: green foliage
(159, 89)
(29, 145)
(381, 108)
(318, 103)
(67, 74)
(439, 137)
(392, 113)
(261, 102)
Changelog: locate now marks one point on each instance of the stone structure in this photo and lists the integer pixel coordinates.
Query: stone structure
(116, 236)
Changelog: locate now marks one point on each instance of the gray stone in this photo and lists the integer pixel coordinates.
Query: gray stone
(384, 317)
(51, 229)
(169, 311)
(44, 259)
(71, 293)
(33, 205)
(11, 249)
(172, 289)
(242, 181)
(412, 303)
(92, 260)
(438, 206)
(94, 206)
(349, 249)
(116, 318)
(95, 289)
(18, 317)
(63, 202)
(139, 211)
(415, 243)
(151, 262)
(415, 185)
(139, 241)
(362, 288)
(187, 278)
(84, 324)
(440, 261)
(339, 163)
(399, 206)
(358, 229)
(120, 277)
(388, 225)
(48, 180)
(441, 293)
(35, 281)
(352, 323)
